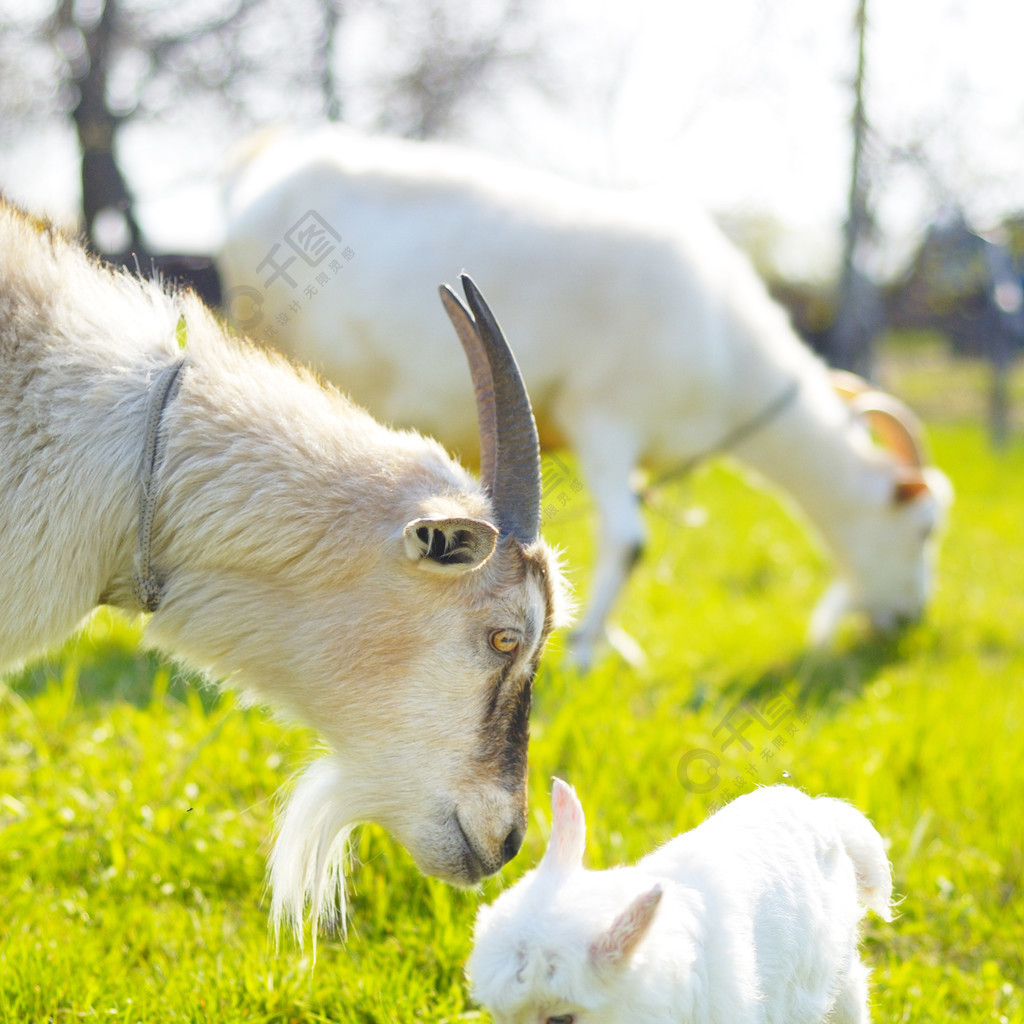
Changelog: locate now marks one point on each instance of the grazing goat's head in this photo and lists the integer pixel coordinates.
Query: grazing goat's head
(429, 734)
(887, 541)
(286, 542)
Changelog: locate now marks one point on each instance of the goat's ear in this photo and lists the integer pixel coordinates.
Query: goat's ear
(909, 485)
(442, 544)
(568, 829)
(614, 948)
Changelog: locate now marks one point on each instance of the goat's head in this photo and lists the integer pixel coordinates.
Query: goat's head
(443, 628)
(558, 945)
(887, 542)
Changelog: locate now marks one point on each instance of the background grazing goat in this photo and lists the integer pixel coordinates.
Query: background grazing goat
(644, 336)
(751, 918)
(279, 535)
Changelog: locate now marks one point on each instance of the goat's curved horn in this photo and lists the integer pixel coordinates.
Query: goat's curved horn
(509, 446)
(849, 385)
(896, 427)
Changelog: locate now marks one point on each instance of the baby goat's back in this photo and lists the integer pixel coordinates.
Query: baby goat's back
(778, 840)
(785, 879)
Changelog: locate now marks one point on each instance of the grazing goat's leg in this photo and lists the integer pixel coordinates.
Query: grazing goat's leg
(607, 457)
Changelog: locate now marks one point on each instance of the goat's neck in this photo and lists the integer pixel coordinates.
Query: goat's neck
(72, 431)
(144, 439)
(813, 451)
(276, 505)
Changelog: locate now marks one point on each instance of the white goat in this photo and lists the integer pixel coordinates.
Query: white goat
(278, 534)
(751, 918)
(644, 336)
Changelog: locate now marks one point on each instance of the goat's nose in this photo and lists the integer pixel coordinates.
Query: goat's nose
(513, 841)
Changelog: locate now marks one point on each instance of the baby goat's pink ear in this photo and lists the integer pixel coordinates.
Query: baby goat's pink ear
(617, 945)
(568, 829)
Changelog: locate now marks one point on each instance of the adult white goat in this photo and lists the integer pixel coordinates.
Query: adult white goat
(644, 336)
(279, 536)
(751, 918)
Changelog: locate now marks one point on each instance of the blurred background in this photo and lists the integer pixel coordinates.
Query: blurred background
(866, 154)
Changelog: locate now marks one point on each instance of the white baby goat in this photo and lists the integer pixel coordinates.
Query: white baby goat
(644, 336)
(285, 543)
(750, 918)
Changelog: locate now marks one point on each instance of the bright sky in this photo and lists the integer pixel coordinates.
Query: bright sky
(743, 104)
(749, 102)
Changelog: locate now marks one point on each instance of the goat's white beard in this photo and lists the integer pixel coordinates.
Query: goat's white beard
(309, 857)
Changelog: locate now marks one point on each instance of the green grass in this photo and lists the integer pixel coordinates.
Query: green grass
(135, 811)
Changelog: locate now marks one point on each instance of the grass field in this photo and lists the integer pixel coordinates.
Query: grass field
(135, 810)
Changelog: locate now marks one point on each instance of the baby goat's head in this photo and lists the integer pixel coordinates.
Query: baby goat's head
(558, 947)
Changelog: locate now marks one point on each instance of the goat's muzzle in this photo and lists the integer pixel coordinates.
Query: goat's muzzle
(482, 855)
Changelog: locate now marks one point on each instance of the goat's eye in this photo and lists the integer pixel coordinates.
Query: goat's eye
(504, 641)
(561, 1018)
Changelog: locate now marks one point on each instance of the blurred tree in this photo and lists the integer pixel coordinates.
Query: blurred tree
(418, 68)
(859, 316)
(28, 75)
(452, 54)
(87, 35)
(123, 60)
(968, 287)
(332, 11)
(413, 68)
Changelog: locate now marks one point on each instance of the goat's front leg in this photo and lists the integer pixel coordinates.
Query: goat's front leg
(607, 460)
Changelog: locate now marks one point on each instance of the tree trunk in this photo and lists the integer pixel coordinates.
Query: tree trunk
(858, 313)
(103, 185)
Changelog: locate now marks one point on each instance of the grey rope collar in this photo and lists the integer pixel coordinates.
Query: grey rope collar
(147, 587)
(757, 422)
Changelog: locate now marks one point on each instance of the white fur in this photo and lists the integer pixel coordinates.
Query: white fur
(280, 535)
(644, 336)
(751, 918)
